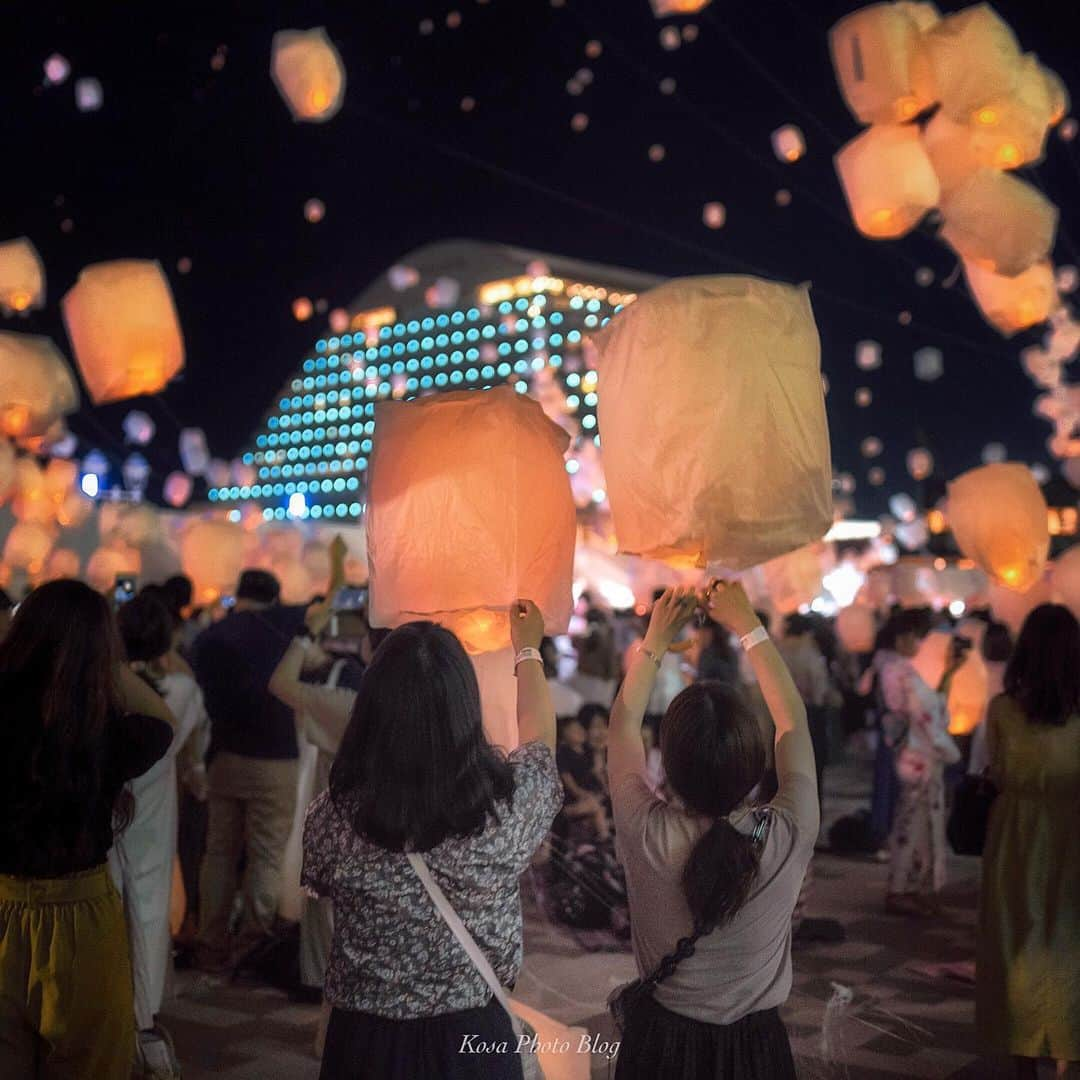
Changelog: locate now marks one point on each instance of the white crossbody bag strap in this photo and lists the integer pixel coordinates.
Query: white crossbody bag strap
(464, 938)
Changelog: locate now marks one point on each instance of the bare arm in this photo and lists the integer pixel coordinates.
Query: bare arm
(137, 697)
(285, 682)
(535, 713)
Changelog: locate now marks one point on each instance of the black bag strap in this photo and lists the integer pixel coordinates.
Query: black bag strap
(686, 946)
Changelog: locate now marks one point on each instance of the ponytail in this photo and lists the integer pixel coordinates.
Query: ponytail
(719, 874)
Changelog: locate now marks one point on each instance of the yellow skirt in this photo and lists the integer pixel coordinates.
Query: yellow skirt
(65, 979)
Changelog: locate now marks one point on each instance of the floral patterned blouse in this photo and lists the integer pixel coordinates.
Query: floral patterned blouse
(392, 953)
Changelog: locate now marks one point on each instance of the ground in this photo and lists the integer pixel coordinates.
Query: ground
(903, 1019)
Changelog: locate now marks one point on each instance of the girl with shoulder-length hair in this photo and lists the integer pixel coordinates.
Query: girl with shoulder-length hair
(415, 773)
(1027, 1000)
(78, 725)
(712, 880)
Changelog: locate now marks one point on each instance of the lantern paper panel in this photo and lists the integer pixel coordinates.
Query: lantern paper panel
(32, 501)
(856, 628)
(124, 329)
(925, 16)
(60, 478)
(308, 72)
(888, 180)
(1011, 131)
(1012, 608)
(737, 354)
(7, 469)
(488, 467)
(498, 696)
(951, 149)
(999, 222)
(36, 385)
(62, 563)
(27, 546)
(793, 580)
(106, 564)
(872, 52)
(177, 489)
(74, 510)
(998, 517)
(296, 584)
(211, 553)
(663, 8)
(1012, 304)
(970, 684)
(22, 277)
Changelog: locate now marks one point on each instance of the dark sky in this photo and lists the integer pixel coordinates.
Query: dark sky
(185, 161)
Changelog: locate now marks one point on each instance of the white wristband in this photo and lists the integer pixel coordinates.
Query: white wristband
(755, 637)
(527, 653)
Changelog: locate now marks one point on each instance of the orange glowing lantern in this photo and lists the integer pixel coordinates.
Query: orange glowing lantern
(793, 580)
(970, 684)
(1010, 131)
(1066, 579)
(177, 488)
(489, 467)
(7, 469)
(738, 354)
(856, 627)
(32, 501)
(108, 563)
(999, 519)
(297, 586)
(1059, 96)
(22, 277)
(1012, 304)
(999, 222)
(74, 509)
(123, 328)
(788, 143)
(1012, 608)
(888, 180)
(308, 72)
(36, 385)
(872, 51)
(28, 546)
(950, 147)
(212, 555)
(62, 563)
(663, 8)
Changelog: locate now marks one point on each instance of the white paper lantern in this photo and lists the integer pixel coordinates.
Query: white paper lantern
(138, 428)
(22, 277)
(1010, 131)
(194, 453)
(920, 463)
(36, 385)
(868, 355)
(177, 489)
(89, 96)
(788, 143)
(309, 74)
(136, 472)
(856, 628)
(211, 553)
(1012, 304)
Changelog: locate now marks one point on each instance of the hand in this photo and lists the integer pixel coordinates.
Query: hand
(338, 550)
(957, 656)
(669, 615)
(526, 625)
(317, 618)
(728, 604)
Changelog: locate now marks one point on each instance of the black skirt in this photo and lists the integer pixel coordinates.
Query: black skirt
(658, 1043)
(469, 1045)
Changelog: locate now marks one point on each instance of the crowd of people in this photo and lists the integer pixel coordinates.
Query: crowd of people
(230, 789)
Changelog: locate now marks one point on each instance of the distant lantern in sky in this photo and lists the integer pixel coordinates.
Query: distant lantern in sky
(998, 518)
(183, 265)
(22, 277)
(783, 197)
(402, 277)
(903, 507)
(212, 555)
(929, 364)
(863, 396)
(920, 463)
(89, 97)
(579, 122)
(27, 546)
(443, 292)
(314, 211)
(670, 38)
(667, 86)
(1010, 130)
(37, 387)
(194, 454)
(339, 320)
(657, 153)
(426, 27)
(739, 353)
(924, 277)
(138, 428)
(308, 72)
(302, 309)
(453, 19)
(788, 143)
(96, 464)
(875, 477)
(1066, 278)
(1012, 304)
(124, 330)
(870, 447)
(868, 355)
(888, 180)
(714, 215)
(594, 49)
(663, 8)
(468, 103)
(177, 489)
(57, 69)
(136, 472)
(1068, 129)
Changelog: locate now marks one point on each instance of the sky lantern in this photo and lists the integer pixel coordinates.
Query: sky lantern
(856, 627)
(27, 546)
(1066, 579)
(7, 469)
(297, 586)
(89, 95)
(929, 364)
(888, 180)
(212, 555)
(1000, 222)
(177, 489)
(1012, 304)
(314, 211)
(443, 292)
(999, 519)
(123, 327)
(970, 684)
(1012, 607)
(1010, 131)
(339, 320)
(714, 214)
(489, 467)
(217, 473)
(138, 428)
(194, 453)
(60, 477)
(872, 52)
(1059, 96)
(242, 473)
(789, 143)
(22, 277)
(136, 472)
(36, 385)
(106, 564)
(920, 463)
(62, 563)
(951, 149)
(737, 354)
(309, 74)
(302, 309)
(868, 355)
(74, 510)
(663, 8)
(793, 580)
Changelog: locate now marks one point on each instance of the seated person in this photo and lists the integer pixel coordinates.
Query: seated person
(583, 789)
(566, 700)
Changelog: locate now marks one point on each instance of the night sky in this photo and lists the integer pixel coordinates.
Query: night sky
(184, 161)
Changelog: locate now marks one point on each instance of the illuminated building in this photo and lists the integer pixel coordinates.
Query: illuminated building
(471, 316)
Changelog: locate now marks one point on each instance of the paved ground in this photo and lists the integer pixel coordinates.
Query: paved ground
(860, 1010)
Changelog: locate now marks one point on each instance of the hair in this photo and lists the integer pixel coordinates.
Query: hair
(763, 617)
(414, 766)
(551, 669)
(796, 625)
(900, 622)
(589, 712)
(259, 586)
(177, 593)
(1043, 676)
(714, 756)
(997, 643)
(146, 626)
(6, 603)
(63, 651)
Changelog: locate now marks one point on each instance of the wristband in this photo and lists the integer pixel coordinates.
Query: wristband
(527, 653)
(755, 637)
(650, 654)
(305, 641)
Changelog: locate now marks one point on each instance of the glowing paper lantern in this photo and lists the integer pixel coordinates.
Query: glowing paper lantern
(89, 96)
(36, 385)
(788, 143)
(74, 510)
(106, 564)
(888, 180)
(308, 72)
(970, 683)
(920, 463)
(1059, 96)
(194, 453)
(136, 472)
(402, 277)
(22, 277)
(872, 51)
(241, 474)
(1012, 608)
(59, 479)
(443, 293)
(1010, 131)
(339, 320)
(177, 489)
(856, 628)
(1066, 579)
(903, 507)
(738, 353)
(868, 355)
(999, 222)
(1012, 304)
(503, 500)
(57, 69)
(663, 8)
(302, 309)
(7, 468)
(212, 555)
(217, 473)
(714, 215)
(314, 211)
(870, 447)
(296, 584)
(62, 563)
(968, 59)
(951, 149)
(929, 364)
(794, 579)
(138, 428)
(27, 546)
(123, 327)
(999, 519)
(96, 464)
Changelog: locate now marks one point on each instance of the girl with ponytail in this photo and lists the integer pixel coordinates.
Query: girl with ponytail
(712, 879)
